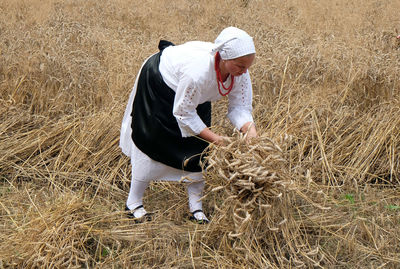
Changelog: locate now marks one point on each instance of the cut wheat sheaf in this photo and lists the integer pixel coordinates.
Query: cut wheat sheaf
(254, 176)
(258, 193)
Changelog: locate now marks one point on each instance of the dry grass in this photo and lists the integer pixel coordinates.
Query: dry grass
(318, 189)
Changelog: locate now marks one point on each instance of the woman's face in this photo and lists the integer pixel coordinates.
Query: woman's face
(239, 66)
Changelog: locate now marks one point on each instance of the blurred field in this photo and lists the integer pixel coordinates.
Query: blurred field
(318, 189)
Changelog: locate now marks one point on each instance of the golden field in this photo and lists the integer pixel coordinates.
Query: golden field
(318, 189)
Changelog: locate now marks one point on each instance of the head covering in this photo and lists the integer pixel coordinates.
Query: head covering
(233, 43)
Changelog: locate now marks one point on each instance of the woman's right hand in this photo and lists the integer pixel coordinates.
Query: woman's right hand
(222, 141)
(212, 137)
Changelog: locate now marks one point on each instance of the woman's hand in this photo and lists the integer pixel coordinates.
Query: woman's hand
(212, 137)
(250, 129)
(222, 141)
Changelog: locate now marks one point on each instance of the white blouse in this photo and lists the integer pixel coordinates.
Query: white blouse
(187, 69)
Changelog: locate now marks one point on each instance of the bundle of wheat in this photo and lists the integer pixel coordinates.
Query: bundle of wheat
(261, 194)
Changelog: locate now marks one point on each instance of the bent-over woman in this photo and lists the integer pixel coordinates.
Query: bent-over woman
(166, 123)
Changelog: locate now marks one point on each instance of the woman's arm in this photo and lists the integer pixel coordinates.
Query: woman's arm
(240, 104)
(187, 98)
(212, 137)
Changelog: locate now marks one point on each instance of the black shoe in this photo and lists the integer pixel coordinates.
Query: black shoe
(198, 221)
(130, 214)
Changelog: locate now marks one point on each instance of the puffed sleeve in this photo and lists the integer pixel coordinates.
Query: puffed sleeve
(240, 102)
(187, 98)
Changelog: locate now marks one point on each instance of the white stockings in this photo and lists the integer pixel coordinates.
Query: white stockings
(195, 192)
(137, 189)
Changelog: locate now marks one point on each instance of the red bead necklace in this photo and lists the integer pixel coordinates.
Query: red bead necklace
(219, 78)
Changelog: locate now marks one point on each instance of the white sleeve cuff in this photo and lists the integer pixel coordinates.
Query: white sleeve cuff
(196, 126)
(239, 117)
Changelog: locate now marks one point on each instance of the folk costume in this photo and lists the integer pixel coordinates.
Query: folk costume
(170, 104)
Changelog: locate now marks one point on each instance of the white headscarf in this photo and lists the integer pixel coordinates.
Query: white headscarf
(233, 43)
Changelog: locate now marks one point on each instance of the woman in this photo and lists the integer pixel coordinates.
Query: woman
(166, 123)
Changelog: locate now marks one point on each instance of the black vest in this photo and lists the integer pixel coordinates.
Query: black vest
(155, 130)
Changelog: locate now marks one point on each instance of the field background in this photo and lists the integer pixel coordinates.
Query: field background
(326, 92)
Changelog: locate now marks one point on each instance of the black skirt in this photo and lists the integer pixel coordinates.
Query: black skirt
(155, 130)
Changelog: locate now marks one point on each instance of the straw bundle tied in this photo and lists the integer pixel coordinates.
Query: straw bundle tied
(259, 193)
(273, 210)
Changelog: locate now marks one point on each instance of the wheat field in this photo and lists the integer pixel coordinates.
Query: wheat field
(319, 187)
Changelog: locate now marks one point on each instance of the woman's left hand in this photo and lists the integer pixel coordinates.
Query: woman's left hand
(250, 129)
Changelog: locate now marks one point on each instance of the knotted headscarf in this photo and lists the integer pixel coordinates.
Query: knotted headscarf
(233, 43)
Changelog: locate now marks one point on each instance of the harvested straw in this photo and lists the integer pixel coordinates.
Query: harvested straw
(271, 212)
(259, 194)
(327, 73)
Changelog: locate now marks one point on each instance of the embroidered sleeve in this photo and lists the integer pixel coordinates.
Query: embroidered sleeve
(187, 98)
(240, 102)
